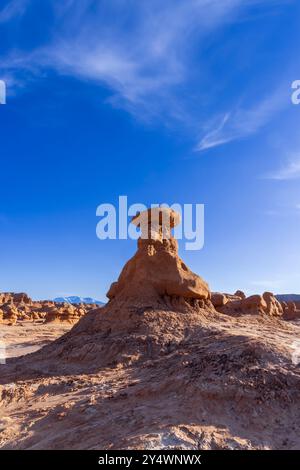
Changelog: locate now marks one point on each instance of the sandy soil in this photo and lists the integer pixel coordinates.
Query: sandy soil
(27, 337)
(227, 383)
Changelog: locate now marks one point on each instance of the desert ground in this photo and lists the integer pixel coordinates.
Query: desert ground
(231, 386)
(26, 337)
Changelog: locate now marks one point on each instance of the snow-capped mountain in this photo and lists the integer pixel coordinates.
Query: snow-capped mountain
(78, 300)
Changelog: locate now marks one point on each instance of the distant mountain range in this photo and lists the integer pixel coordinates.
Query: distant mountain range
(89, 300)
(288, 297)
(78, 300)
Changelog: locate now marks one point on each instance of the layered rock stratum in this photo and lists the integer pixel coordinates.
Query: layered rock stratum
(165, 364)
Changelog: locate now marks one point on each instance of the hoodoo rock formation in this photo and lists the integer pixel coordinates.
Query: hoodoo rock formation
(164, 365)
(156, 271)
(144, 314)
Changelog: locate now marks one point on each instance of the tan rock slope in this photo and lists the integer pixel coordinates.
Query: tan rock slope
(159, 367)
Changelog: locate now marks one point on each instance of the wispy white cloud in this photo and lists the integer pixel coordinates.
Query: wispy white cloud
(145, 54)
(141, 63)
(242, 122)
(141, 51)
(289, 171)
(12, 9)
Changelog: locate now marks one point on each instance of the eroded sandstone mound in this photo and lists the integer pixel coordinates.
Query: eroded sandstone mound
(156, 271)
(239, 304)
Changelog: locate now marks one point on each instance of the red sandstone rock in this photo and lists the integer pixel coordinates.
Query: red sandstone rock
(240, 294)
(156, 270)
(290, 311)
(218, 299)
(274, 307)
(267, 304)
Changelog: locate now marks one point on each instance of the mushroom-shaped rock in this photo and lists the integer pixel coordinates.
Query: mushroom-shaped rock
(156, 269)
(156, 223)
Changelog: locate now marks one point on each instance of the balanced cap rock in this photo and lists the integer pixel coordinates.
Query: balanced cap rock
(156, 270)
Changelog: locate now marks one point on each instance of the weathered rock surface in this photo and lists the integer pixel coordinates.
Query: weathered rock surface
(156, 270)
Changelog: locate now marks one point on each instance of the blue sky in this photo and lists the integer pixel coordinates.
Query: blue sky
(173, 101)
